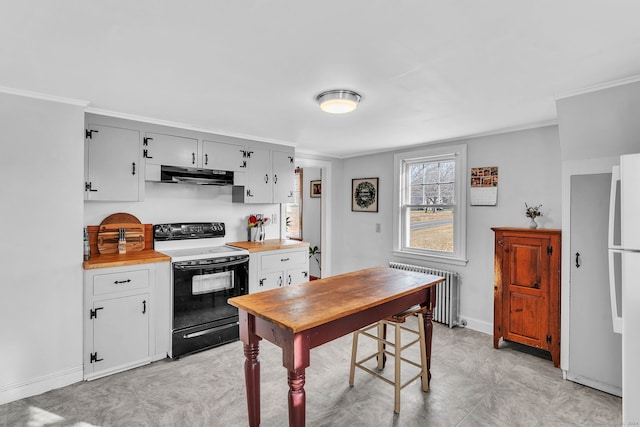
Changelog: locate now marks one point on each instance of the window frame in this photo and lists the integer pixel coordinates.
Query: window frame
(428, 154)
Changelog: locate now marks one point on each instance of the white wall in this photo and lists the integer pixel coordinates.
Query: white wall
(529, 171)
(41, 170)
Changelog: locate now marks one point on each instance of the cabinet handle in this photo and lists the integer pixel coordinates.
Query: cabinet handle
(279, 280)
(133, 168)
(206, 159)
(144, 306)
(289, 280)
(284, 259)
(275, 178)
(193, 158)
(119, 282)
(578, 260)
(266, 178)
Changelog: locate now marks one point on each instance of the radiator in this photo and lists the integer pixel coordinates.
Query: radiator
(446, 307)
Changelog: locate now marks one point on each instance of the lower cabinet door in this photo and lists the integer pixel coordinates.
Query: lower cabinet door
(120, 332)
(272, 280)
(297, 276)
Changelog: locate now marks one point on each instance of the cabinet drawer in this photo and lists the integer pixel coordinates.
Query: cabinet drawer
(283, 260)
(120, 282)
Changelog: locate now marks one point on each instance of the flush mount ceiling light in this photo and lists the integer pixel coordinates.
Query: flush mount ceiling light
(338, 101)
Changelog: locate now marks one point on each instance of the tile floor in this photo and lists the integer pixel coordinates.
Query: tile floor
(473, 385)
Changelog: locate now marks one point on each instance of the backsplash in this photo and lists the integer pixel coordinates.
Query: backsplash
(166, 203)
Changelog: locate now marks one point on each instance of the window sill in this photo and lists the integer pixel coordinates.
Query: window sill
(431, 258)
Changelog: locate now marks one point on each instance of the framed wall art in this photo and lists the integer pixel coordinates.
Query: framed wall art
(364, 195)
(316, 188)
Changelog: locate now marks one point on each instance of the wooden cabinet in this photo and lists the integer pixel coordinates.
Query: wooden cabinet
(277, 268)
(270, 176)
(527, 288)
(112, 163)
(123, 320)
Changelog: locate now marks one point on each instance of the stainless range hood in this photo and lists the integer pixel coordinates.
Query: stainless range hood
(181, 175)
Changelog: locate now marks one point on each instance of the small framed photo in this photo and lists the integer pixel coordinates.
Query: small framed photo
(316, 188)
(364, 195)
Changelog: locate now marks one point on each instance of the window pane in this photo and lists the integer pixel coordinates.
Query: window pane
(447, 194)
(417, 195)
(416, 173)
(431, 228)
(447, 171)
(431, 172)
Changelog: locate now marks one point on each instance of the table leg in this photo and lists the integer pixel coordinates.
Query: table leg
(297, 399)
(252, 382)
(428, 329)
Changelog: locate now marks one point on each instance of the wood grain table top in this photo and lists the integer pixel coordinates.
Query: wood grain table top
(269, 245)
(305, 306)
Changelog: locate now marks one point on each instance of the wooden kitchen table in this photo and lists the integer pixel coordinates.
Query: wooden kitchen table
(299, 318)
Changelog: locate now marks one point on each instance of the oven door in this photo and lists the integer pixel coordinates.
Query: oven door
(202, 318)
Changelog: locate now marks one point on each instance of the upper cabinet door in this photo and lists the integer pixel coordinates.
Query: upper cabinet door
(159, 149)
(259, 181)
(113, 163)
(283, 176)
(225, 157)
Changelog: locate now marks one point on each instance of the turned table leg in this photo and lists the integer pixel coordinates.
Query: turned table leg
(297, 398)
(252, 382)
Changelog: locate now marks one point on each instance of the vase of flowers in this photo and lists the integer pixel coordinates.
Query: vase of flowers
(255, 227)
(532, 212)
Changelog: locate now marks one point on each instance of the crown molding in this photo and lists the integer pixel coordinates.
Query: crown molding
(600, 86)
(44, 96)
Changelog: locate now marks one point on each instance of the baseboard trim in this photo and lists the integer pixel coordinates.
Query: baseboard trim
(39, 385)
(477, 325)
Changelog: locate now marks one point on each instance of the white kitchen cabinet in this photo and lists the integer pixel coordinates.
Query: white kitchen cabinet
(160, 149)
(123, 317)
(277, 268)
(112, 163)
(222, 156)
(269, 177)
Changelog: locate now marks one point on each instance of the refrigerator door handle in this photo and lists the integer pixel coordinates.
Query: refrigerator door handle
(617, 320)
(613, 196)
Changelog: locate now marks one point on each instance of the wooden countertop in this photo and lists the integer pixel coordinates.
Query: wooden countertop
(133, 258)
(269, 245)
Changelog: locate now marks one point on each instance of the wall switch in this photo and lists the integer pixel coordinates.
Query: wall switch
(377, 228)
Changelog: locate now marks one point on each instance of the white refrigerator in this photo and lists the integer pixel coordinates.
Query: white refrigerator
(624, 277)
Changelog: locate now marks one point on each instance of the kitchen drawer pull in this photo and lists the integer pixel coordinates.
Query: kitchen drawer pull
(284, 259)
(289, 280)
(206, 159)
(193, 158)
(144, 306)
(133, 168)
(119, 282)
(266, 178)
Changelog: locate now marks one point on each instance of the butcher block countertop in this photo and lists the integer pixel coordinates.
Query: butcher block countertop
(269, 245)
(148, 256)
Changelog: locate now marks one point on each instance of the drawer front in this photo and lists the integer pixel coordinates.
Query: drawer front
(120, 282)
(284, 260)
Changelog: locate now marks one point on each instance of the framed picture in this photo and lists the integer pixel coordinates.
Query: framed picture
(316, 188)
(364, 195)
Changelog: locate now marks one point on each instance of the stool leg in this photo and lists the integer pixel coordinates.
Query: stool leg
(423, 355)
(397, 380)
(354, 350)
(382, 333)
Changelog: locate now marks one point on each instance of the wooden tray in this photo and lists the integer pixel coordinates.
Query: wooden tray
(108, 232)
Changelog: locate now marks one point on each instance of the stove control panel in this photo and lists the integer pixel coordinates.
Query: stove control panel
(188, 230)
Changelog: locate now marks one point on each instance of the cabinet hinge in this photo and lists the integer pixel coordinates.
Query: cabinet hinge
(145, 141)
(548, 339)
(549, 250)
(290, 159)
(93, 357)
(88, 133)
(93, 314)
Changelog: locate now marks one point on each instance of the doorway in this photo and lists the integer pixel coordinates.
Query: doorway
(316, 223)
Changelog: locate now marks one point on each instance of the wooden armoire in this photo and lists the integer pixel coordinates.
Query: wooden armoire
(527, 288)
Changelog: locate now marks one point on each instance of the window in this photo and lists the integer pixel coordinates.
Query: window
(431, 204)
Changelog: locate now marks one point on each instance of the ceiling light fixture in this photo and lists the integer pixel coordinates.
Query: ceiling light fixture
(338, 101)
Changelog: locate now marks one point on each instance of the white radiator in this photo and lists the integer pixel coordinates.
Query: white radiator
(446, 307)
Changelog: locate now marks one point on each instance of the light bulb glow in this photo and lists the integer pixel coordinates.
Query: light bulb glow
(338, 101)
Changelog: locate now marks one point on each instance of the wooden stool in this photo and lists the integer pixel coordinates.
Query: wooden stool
(397, 320)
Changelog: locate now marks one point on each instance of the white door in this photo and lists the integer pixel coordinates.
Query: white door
(170, 150)
(113, 164)
(121, 331)
(595, 351)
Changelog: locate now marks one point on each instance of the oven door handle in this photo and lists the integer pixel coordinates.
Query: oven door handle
(205, 332)
(178, 266)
